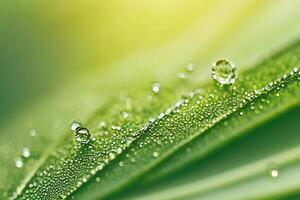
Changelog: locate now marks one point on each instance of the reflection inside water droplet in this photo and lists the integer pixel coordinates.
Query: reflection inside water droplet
(224, 72)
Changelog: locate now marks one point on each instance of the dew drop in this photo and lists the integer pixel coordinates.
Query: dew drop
(102, 124)
(98, 179)
(224, 72)
(75, 126)
(112, 156)
(274, 173)
(19, 163)
(125, 115)
(117, 128)
(82, 135)
(182, 75)
(161, 115)
(32, 132)
(155, 87)
(190, 67)
(25, 152)
(155, 154)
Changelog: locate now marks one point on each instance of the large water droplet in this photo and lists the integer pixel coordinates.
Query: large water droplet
(82, 135)
(224, 72)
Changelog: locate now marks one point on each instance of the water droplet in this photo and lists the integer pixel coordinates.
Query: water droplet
(190, 67)
(161, 115)
(274, 173)
(19, 162)
(121, 164)
(101, 124)
(75, 126)
(82, 135)
(32, 132)
(25, 152)
(155, 87)
(224, 72)
(112, 156)
(182, 75)
(115, 127)
(295, 69)
(125, 115)
(98, 179)
(273, 170)
(155, 154)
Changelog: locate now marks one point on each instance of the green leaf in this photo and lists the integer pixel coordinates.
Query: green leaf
(119, 159)
(125, 150)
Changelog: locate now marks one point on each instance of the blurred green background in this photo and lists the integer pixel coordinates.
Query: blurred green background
(46, 44)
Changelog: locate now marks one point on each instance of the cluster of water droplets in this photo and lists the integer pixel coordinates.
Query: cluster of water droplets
(119, 128)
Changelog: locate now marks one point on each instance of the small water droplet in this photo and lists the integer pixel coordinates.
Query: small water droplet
(190, 67)
(125, 115)
(25, 152)
(274, 172)
(75, 126)
(161, 115)
(82, 135)
(155, 87)
(19, 162)
(102, 124)
(115, 127)
(112, 156)
(182, 75)
(155, 154)
(121, 164)
(98, 179)
(224, 72)
(32, 132)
